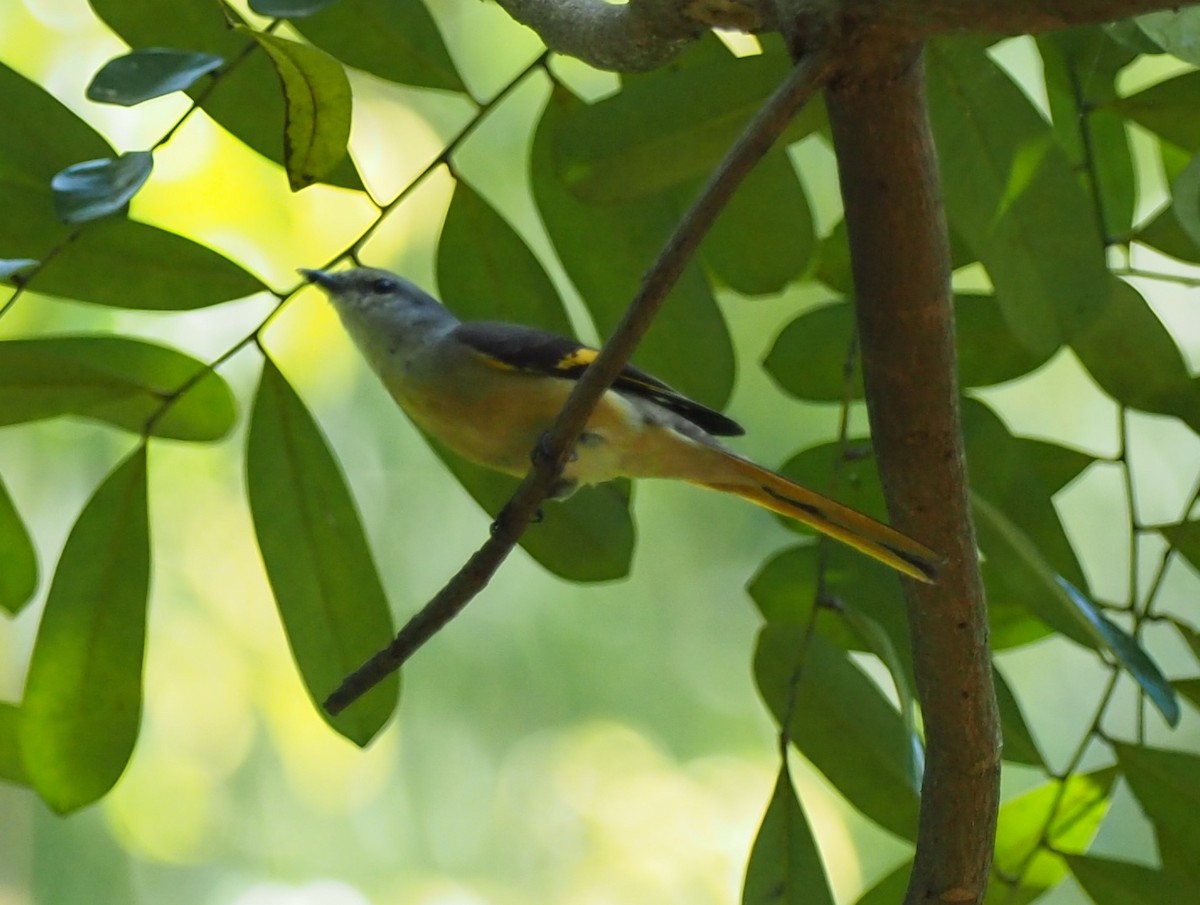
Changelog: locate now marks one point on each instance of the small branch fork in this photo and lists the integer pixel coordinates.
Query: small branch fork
(808, 76)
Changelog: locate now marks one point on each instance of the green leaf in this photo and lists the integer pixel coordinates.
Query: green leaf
(785, 865)
(246, 101)
(12, 267)
(1185, 538)
(115, 379)
(1177, 33)
(96, 188)
(1110, 882)
(1167, 109)
(83, 695)
(839, 710)
(667, 128)
(1134, 359)
(1132, 657)
(1165, 783)
(764, 237)
(320, 568)
(890, 889)
(317, 113)
(285, 9)
(1013, 198)
(605, 249)
(808, 357)
(18, 559)
(1185, 199)
(1189, 688)
(114, 261)
(487, 272)
(1019, 745)
(395, 40)
(141, 75)
(1025, 834)
(12, 770)
(589, 537)
(1165, 233)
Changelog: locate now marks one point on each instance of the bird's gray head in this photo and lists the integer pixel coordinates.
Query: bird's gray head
(368, 290)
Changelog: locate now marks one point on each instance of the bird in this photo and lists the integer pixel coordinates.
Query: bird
(490, 391)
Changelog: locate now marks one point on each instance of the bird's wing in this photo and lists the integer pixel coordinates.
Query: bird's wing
(517, 348)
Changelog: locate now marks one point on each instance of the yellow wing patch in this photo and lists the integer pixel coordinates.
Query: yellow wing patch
(576, 359)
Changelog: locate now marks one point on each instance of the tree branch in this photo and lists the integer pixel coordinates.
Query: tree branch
(762, 131)
(901, 263)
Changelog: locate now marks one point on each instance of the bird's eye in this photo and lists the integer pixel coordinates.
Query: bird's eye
(384, 285)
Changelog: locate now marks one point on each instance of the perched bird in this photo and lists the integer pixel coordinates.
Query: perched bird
(490, 390)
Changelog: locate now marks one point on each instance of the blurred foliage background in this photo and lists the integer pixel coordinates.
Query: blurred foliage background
(560, 742)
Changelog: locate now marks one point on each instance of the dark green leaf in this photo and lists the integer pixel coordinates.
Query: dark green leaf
(605, 249)
(589, 537)
(1127, 33)
(890, 889)
(115, 379)
(1185, 537)
(1081, 65)
(1190, 636)
(1019, 746)
(839, 710)
(808, 357)
(1176, 32)
(12, 770)
(1190, 689)
(152, 72)
(487, 272)
(1023, 838)
(395, 40)
(284, 9)
(785, 865)
(1110, 882)
(1165, 783)
(1132, 657)
(83, 695)
(1168, 109)
(764, 237)
(246, 101)
(1165, 233)
(1185, 199)
(1013, 198)
(96, 188)
(321, 571)
(667, 128)
(317, 112)
(114, 261)
(18, 559)
(1134, 359)
(11, 267)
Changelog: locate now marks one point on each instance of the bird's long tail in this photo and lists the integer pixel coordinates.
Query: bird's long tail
(863, 533)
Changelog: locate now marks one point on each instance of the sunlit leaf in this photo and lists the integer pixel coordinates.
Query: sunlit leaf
(18, 559)
(605, 249)
(839, 710)
(785, 865)
(83, 696)
(12, 770)
(487, 272)
(395, 40)
(317, 559)
(1046, 265)
(1025, 834)
(96, 188)
(1110, 882)
(1131, 655)
(317, 112)
(246, 100)
(889, 889)
(1019, 745)
(122, 381)
(148, 73)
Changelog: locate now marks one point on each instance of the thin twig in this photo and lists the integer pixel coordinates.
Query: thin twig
(762, 131)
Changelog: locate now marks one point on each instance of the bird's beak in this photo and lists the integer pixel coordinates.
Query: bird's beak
(322, 278)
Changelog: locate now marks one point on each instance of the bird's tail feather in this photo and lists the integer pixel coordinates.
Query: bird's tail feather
(863, 533)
